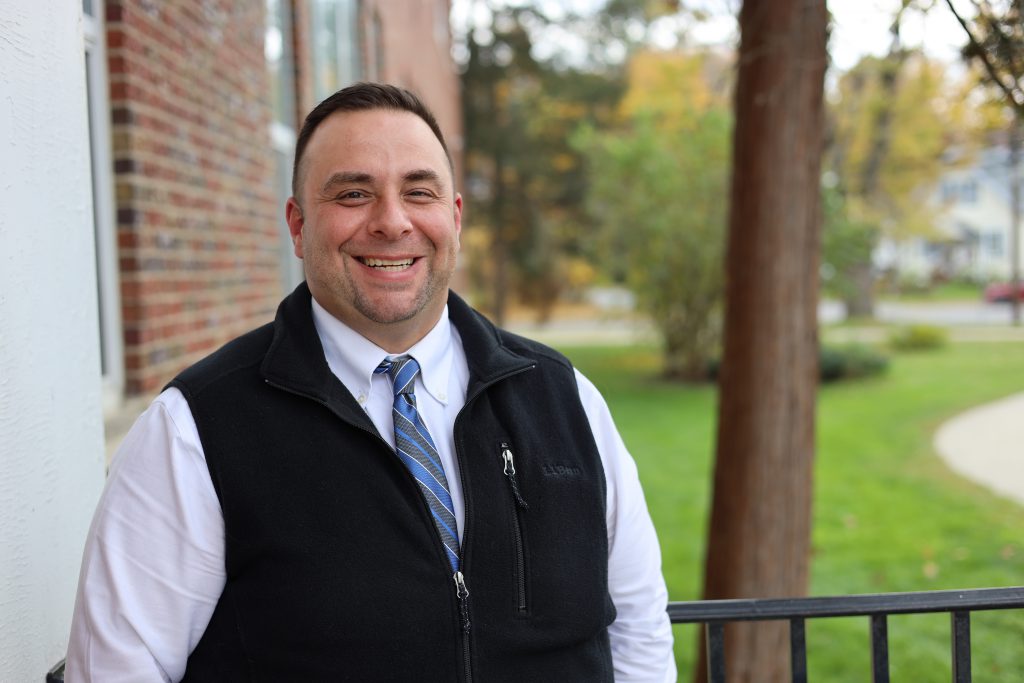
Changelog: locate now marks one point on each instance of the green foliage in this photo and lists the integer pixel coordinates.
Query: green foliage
(918, 338)
(889, 515)
(847, 244)
(850, 362)
(525, 184)
(837, 363)
(658, 197)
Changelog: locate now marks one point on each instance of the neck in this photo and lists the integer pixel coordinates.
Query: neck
(394, 337)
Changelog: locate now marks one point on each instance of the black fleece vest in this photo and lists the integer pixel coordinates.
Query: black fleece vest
(335, 571)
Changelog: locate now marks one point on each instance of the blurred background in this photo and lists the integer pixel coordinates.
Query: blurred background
(593, 144)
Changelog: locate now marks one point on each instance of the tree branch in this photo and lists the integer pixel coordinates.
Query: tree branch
(1017, 102)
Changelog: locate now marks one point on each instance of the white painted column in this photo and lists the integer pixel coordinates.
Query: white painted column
(51, 429)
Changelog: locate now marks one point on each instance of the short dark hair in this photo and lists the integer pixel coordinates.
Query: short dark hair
(363, 97)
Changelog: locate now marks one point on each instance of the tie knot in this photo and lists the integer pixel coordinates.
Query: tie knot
(402, 370)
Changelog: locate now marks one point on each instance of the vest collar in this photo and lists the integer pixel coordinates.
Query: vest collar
(295, 360)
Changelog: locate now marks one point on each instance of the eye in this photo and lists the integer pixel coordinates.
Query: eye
(351, 195)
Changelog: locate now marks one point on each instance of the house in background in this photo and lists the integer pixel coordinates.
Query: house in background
(972, 207)
(194, 107)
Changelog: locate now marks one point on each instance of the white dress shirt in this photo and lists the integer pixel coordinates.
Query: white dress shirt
(153, 567)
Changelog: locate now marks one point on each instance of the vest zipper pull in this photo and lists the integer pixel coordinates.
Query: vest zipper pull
(510, 472)
(463, 595)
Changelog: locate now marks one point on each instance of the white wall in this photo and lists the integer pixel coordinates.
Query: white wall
(51, 431)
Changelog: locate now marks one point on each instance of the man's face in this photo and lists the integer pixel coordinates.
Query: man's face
(377, 224)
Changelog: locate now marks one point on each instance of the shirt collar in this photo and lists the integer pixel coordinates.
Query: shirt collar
(353, 358)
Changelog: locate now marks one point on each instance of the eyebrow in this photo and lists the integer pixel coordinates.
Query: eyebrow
(423, 174)
(344, 177)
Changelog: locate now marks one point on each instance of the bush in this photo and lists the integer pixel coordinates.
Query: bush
(918, 338)
(837, 363)
(850, 362)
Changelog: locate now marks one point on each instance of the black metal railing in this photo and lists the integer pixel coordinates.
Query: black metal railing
(715, 614)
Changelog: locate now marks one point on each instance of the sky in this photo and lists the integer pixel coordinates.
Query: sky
(861, 27)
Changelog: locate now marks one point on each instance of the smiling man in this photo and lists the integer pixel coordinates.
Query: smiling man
(379, 485)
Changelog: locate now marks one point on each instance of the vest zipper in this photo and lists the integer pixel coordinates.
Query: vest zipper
(462, 593)
(517, 527)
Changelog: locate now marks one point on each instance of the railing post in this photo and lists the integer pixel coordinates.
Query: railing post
(797, 651)
(715, 632)
(961, 634)
(879, 648)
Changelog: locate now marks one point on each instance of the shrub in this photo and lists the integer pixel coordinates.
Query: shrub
(837, 363)
(850, 362)
(917, 338)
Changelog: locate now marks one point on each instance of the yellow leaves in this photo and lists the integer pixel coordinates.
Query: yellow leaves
(670, 86)
(579, 273)
(890, 137)
(563, 162)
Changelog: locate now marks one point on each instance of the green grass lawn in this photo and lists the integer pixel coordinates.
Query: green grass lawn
(942, 292)
(889, 516)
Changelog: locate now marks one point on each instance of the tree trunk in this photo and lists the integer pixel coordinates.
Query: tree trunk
(759, 538)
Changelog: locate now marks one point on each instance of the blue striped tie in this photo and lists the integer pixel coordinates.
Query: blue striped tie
(417, 451)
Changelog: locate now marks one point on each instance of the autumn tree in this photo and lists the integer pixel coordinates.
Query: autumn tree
(890, 124)
(760, 527)
(996, 40)
(995, 36)
(658, 183)
(520, 108)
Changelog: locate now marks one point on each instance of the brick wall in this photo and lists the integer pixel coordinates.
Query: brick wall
(199, 228)
(197, 221)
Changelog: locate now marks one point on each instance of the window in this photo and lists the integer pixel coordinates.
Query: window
(104, 227)
(337, 60)
(280, 55)
(962, 191)
(992, 242)
(374, 48)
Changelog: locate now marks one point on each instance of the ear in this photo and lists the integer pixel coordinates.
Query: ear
(293, 214)
(458, 218)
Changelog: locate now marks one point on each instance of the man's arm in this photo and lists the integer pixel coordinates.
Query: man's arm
(153, 567)
(641, 636)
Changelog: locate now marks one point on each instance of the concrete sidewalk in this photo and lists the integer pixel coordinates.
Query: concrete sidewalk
(986, 445)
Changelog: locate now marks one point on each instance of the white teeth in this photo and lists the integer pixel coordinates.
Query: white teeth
(387, 264)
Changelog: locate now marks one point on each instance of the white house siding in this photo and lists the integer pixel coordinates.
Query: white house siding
(51, 440)
(979, 220)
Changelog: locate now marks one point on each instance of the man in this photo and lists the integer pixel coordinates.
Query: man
(286, 510)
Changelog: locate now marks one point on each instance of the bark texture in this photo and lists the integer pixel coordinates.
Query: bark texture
(760, 529)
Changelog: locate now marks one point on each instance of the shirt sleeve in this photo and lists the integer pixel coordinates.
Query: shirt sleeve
(153, 567)
(641, 635)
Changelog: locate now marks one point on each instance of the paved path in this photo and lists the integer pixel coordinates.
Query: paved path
(986, 445)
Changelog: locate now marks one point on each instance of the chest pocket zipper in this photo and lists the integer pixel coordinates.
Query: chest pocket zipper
(518, 507)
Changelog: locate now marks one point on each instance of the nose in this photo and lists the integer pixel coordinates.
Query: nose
(390, 219)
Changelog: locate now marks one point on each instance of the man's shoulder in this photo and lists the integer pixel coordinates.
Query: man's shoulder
(531, 348)
(239, 354)
(485, 335)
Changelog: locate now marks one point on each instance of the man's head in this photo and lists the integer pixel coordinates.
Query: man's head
(362, 97)
(374, 215)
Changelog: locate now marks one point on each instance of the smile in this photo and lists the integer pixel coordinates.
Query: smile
(387, 264)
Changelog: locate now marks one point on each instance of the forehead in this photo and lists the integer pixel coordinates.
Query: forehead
(375, 141)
